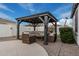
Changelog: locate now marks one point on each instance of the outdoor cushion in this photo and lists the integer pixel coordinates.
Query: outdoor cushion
(51, 34)
(26, 32)
(32, 33)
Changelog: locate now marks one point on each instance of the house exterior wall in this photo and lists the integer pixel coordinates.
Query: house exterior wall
(25, 28)
(73, 24)
(7, 30)
(75, 18)
(41, 28)
(78, 28)
(4, 30)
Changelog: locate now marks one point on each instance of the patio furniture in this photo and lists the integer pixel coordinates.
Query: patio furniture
(50, 39)
(51, 35)
(26, 38)
(40, 35)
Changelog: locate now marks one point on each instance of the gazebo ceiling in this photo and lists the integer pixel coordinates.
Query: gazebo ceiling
(35, 18)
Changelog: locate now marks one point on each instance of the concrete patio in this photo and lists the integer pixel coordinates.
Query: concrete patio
(17, 48)
(56, 49)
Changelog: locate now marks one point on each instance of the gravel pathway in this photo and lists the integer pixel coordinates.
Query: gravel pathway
(60, 49)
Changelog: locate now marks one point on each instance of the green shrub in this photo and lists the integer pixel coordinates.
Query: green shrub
(66, 35)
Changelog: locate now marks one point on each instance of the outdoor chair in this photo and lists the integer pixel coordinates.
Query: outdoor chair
(51, 37)
(26, 38)
(40, 35)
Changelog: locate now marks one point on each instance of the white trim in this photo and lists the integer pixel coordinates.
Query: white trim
(39, 1)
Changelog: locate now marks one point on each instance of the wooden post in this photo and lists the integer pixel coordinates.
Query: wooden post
(34, 25)
(55, 36)
(46, 30)
(18, 27)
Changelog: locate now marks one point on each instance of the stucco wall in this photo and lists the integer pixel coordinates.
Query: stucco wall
(4, 30)
(40, 28)
(7, 30)
(77, 33)
(78, 28)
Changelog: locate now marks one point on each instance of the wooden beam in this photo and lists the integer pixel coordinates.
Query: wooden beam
(18, 27)
(46, 30)
(52, 18)
(34, 25)
(41, 19)
(49, 19)
(34, 28)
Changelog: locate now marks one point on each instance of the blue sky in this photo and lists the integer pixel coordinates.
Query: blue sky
(12, 11)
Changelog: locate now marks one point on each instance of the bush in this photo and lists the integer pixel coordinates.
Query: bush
(66, 35)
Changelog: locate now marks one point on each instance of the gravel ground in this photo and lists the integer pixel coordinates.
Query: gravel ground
(60, 49)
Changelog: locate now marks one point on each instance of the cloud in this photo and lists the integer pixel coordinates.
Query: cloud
(63, 8)
(66, 14)
(63, 19)
(68, 23)
(63, 11)
(5, 16)
(28, 6)
(2, 6)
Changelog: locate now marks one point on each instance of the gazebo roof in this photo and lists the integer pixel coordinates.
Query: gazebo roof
(35, 18)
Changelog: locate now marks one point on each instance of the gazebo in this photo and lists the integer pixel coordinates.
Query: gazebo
(35, 19)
